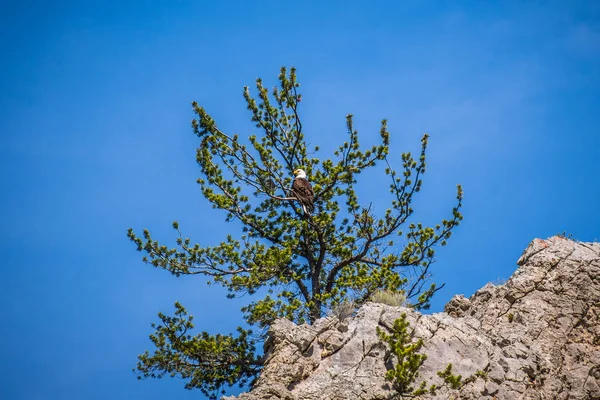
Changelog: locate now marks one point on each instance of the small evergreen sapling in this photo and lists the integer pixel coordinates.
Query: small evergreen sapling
(406, 351)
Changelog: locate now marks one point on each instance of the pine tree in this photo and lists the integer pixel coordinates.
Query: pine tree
(308, 264)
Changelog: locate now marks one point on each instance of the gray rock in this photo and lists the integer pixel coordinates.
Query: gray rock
(535, 337)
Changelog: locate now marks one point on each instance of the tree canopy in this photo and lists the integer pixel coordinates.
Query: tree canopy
(306, 265)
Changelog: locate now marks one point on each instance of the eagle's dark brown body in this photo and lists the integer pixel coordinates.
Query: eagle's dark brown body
(302, 190)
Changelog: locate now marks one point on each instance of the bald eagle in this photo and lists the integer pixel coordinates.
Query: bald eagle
(302, 190)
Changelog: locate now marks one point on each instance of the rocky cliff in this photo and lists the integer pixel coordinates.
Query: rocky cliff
(535, 337)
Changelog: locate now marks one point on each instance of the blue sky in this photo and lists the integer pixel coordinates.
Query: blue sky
(95, 113)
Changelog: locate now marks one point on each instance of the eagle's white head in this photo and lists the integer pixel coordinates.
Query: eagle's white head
(299, 173)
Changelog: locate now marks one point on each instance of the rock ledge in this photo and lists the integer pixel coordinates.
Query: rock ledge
(535, 337)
